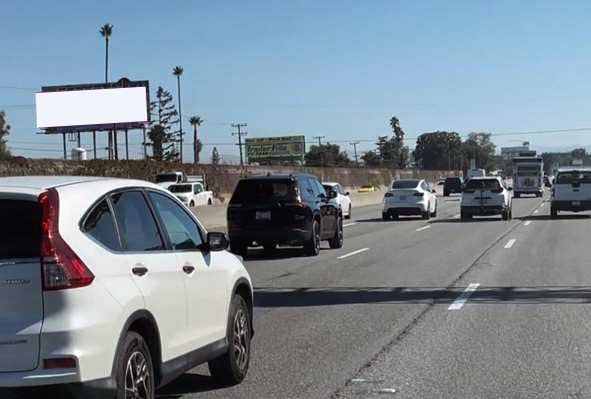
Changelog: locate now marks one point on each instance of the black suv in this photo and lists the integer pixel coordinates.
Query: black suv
(452, 185)
(283, 209)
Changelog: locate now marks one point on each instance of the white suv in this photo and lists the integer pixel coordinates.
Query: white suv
(486, 196)
(571, 191)
(114, 284)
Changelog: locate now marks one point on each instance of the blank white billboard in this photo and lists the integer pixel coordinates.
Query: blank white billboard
(78, 108)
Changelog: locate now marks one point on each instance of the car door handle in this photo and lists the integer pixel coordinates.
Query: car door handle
(188, 269)
(139, 270)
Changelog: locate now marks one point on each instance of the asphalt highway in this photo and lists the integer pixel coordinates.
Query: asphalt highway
(416, 308)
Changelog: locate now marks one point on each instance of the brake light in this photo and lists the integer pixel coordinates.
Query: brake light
(60, 266)
(418, 194)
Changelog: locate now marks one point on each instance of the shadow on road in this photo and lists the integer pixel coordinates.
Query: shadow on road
(558, 217)
(187, 384)
(400, 219)
(277, 253)
(303, 297)
(474, 220)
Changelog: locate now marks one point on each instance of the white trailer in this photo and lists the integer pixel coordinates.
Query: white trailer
(528, 176)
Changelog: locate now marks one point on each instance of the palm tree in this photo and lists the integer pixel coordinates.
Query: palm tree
(196, 121)
(178, 71)
(106, 31)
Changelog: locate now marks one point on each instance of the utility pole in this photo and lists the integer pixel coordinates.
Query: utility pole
(354, 144)
(240, 133)
(319, 138)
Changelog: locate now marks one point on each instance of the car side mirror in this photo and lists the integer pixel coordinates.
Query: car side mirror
(217, 241)
(347, 193)
(332, 194)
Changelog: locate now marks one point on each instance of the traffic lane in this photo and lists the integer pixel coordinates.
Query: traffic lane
(307, 324)
(524, 332)
(268, 268)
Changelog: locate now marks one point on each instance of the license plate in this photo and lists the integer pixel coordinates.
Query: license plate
(576, 203)
(263, 215)
(402, 198)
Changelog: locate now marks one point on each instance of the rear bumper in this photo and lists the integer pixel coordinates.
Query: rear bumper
(405, 209)
(525, 190)
(483, 210)
(272, 235)
(568, 206)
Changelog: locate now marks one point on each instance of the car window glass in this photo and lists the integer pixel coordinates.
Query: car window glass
(483, 184)
(182, 230)
(101, 226)
(311, 188)
(137, 226)
(319, 188)
(404, 184)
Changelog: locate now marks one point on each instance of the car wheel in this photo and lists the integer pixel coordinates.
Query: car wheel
(209, 201)
(394, 215)
(505, 215)
(516, 195)
(337, 241)
(231, 367)
(426, 214)
(192, 204)
(446, 194)
(349, 213)
(135, 372)
(385, 216)
(434, 214)
(312, 247)
(553, 212)
(465, 216)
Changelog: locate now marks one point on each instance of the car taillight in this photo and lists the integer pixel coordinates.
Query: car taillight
(61, 267)
(418, 194)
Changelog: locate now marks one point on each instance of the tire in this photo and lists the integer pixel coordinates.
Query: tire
(446, 193)
(312, 246)
(434, 214)
(192, 204)
(349, 214)
(238, 247)
(209, 201)
(269, 247)
(394, 215)
(426, 215)
(553, 212)
(231, 367)
(505, 215)
(134, 353)
(465, 216)
(385, 216)
(337, 241)
(516, 195)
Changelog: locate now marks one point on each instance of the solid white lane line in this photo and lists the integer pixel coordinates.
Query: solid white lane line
(536, 211)
(350, 224)
(461, 300)
(423, 228)
(527, 223)
(353, 253)
(541, 205)
(510, 243)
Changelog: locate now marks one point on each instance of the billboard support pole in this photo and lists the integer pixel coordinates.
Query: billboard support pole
(115, 145)
(64, 140)
(78, 139)
(144, 144)
(126, 145)
(94, 143)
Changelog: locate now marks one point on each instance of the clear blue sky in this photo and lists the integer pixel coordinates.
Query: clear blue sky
(334, 68)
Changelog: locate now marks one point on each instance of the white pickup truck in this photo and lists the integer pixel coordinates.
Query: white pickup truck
(192, 193)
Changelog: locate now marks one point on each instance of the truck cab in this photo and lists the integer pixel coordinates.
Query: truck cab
(166, 180)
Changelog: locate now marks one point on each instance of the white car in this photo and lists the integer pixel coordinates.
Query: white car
(486, 196)
(343, 197)
(409, 197)
(571, 190)
(114, 284)
(192, 194)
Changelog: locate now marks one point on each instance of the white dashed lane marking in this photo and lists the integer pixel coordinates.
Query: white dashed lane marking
(536, 211)
(510, 243)
(353, 253)
(423, 228)
(527, 223)
(350, 224)
(461, 300)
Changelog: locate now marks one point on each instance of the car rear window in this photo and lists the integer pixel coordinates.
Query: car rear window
(573, 177)
(250, 191)
(405, 184)
(483, 184)
(453, 180)
(20, 232)
(180, 188)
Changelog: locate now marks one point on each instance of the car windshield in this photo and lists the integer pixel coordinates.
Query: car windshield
(404, 184)
(328, 187)
(483, 184)
(165, 178)
(257, 191)
(573, 177)
(181, 188)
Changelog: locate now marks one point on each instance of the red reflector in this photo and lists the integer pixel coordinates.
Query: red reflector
(59, 363)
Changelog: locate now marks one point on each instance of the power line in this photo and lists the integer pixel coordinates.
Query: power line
(240, 134)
